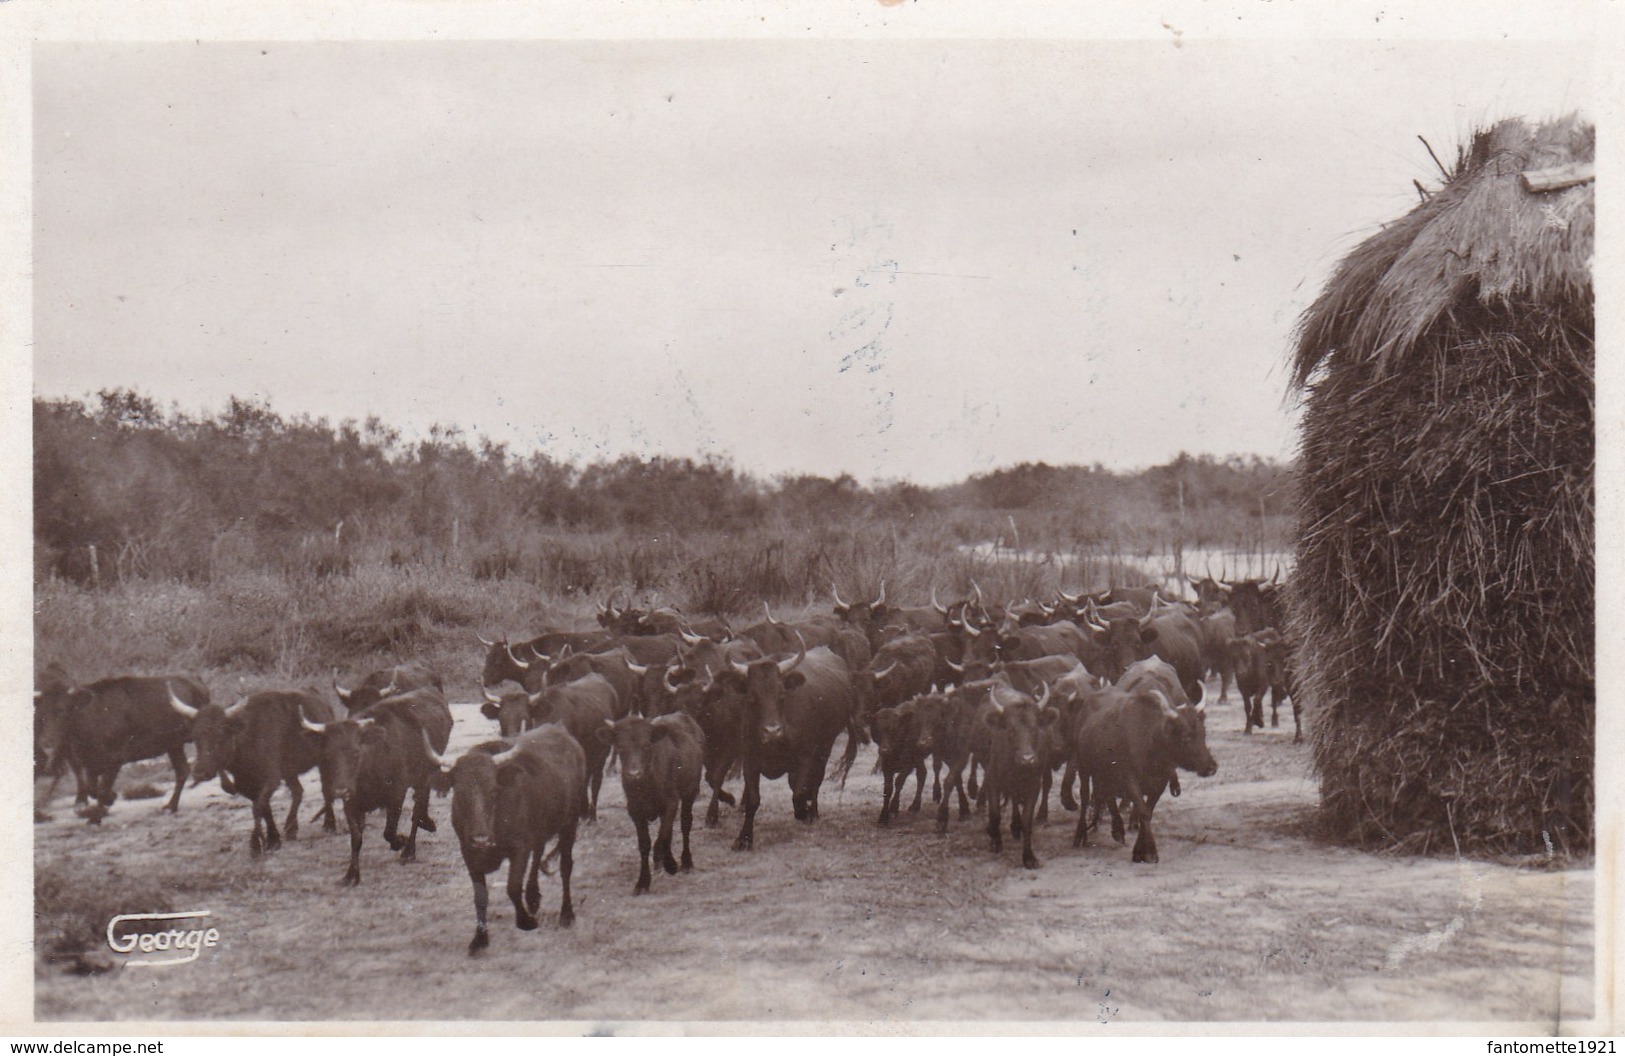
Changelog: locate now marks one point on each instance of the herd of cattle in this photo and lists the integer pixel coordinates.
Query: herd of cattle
(1105, 688)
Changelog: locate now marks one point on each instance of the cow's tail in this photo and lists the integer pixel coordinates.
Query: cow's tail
(854, 737)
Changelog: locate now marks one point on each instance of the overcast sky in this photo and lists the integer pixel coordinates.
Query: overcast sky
(896, 259)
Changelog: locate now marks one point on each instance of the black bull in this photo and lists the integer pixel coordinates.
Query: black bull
(789, 711)
(124, 719)
(260, 742)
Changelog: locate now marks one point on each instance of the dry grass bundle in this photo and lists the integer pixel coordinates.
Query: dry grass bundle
(1444, 591)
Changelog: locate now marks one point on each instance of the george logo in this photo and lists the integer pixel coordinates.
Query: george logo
(129, 932)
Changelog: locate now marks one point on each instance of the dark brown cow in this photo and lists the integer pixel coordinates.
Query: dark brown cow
(510, 711)
(124, 719)
(506, 804)
(1280, 678)
(660, 773)
(581, 707)
(897, 737)
(687, 686)
(1175, 637)
(1017, 762)
(1129, 747)
(902, 668)
(1252, 678)
(615, 665)
(377, 756)
(387, 682)
(956, 735)
(261, 743)
(52, 754)
(1217, 628)
(774, 637)
(511, 661)
(985, 647)
(791, 710)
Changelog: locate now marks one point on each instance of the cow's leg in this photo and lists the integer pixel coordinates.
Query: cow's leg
(256, 839)
(533, 882)
(1080, 833)
(919, 787)
(296, 790)
(936, 779)
(668, 823)
(481, 897)
(420, 806)
(1028, 858)
(974, 785)
(596, 779)
(713, 814)
(325, 815)
(522, 917)
(101, 792)
(885, 796)
(392, 822)
(566, 846)
(1046, 779)
(643, 856)
(995, 815)
(687, 819)
(1068, 775)
(357, 821)
(753, 799)
(1145, 845)
(262, 809)
(177, 759)
(1227, 674)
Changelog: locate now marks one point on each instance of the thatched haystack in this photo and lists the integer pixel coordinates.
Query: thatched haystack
(1446, 572)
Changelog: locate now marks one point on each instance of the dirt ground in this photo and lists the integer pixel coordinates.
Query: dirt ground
(1246, 918)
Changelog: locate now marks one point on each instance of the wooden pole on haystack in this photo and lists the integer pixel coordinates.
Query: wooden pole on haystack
(1443, 596)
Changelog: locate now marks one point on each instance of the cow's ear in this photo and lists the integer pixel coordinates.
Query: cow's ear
(606, 732)
(658, 732)
(733, 680)
(490, 710)
(795, 680)
(1147, 634)
(994, 719)
(1047, 717)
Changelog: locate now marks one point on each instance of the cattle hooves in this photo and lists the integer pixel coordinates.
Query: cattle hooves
(395, 840)
(426, 823)
(480, 942)
(351, 879)
(742, 844)
(525, 923)
(1030, 861)
(688, 862)
(670, 865)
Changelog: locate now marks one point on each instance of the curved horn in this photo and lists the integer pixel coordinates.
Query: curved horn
(689, 636)
(637, 669)
(1093, 626)
(840, 606)
(1041, 701)
(665, 680)
(523, 665)
(881, 600)
(788, 665)
(957, 669)
(1070, 599)
(237, 708)
(313, 727)
(977, 587)
(1167, 708)
(970, 629)
(428, 749)
(344, 694)
(501, 757)
(743, 669)
(493, 698)
(1277, 577)
(770, 618)
(485, 641)
(185, 709)
(935, 604)
(878, 675)
(1201, 708)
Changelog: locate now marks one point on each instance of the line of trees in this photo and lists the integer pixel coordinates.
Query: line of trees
(123, 490)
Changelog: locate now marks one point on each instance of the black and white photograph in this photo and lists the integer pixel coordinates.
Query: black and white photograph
(902, 519)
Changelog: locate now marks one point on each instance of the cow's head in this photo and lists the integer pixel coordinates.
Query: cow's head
(1183, 732)
(761, 685)
(344, 743)
(896, 728)
(502, 663)
(216, 731)
(1021, 720)
(53, 701)
(867, 616)
(473, 781)
(632, 737)
(1119, 643)
(510, 711)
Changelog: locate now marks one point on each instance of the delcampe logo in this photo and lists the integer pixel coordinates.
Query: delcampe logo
(129, 932)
